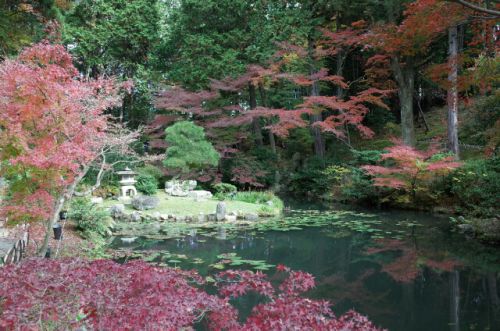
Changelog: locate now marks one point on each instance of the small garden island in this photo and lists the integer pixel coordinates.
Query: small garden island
(249, 165)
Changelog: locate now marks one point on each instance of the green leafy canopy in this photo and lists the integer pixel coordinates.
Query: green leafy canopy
(188, 148)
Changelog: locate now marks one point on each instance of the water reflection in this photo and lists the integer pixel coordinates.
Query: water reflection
(429, 279)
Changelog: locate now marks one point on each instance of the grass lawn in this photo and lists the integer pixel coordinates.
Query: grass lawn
(182, 206)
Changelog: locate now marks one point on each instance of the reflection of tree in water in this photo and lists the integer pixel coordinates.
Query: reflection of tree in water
(340, 288)
(411, 260)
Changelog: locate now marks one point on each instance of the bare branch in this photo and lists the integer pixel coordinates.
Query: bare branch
(478, 8)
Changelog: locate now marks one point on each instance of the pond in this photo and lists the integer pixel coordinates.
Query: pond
(405, 270)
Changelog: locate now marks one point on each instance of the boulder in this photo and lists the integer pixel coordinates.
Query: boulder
(144, 202)
(189, 185)
(164, 217)
(231, 218)
(201, 218)
(220, 211)
(200, 195)
(251, 217)
(156, 216)
(466, 228)
(117, 211)
(179, 188)
(135, 216)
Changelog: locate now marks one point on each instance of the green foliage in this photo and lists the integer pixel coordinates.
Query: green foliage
(308, 180)
(213, 39)
(107, 191)
(22, 22)
(146, 184)
(476, 185)
(93, 221)
(481, 123)
(258, 197)
(151, 170)
(118, 38)
(224, 191)
(359, 188)
(188, 148)
(366, 157)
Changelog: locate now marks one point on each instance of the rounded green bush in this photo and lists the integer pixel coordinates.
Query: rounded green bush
(146, 184)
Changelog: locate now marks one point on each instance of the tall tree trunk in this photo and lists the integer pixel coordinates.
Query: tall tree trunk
(272, 142)
(319, 143)
(263, 98)
(257, 130)
(405, 77)
(339, 71)
(452, 97)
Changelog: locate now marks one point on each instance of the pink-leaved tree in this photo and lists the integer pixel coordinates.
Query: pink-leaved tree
(52, 127)
(105, 295)
(410, 170)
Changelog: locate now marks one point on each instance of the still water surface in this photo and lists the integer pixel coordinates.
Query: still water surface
(406, 271)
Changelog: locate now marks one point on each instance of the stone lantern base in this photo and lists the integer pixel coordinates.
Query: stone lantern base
(127, 193)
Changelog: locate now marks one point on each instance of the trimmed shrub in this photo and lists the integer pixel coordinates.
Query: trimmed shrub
(146, 184)
(224, 191)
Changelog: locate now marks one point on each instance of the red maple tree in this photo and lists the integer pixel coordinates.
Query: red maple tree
(102, 294)
(52, 127)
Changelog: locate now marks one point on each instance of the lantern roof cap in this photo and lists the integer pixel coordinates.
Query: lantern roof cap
(127, 171)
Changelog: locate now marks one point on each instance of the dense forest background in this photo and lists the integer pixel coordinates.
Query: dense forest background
(305, 98)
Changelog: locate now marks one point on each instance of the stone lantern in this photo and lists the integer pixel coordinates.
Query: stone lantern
(127, 181)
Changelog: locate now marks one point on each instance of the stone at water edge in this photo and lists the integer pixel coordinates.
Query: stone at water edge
(220, 211)
(164, 217)
(128, 240)
(231, 218)
(135, 216)
(251, 217)
(211, 218)
(117, 211)
(202, 218)
(156, 216)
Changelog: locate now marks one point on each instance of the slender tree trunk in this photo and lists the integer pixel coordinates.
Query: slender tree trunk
(339, 71)
(405, 77)
(263, 98)
(452, 97)
(319, 143)
(257, 130)
(272, 142)
(67, 194)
